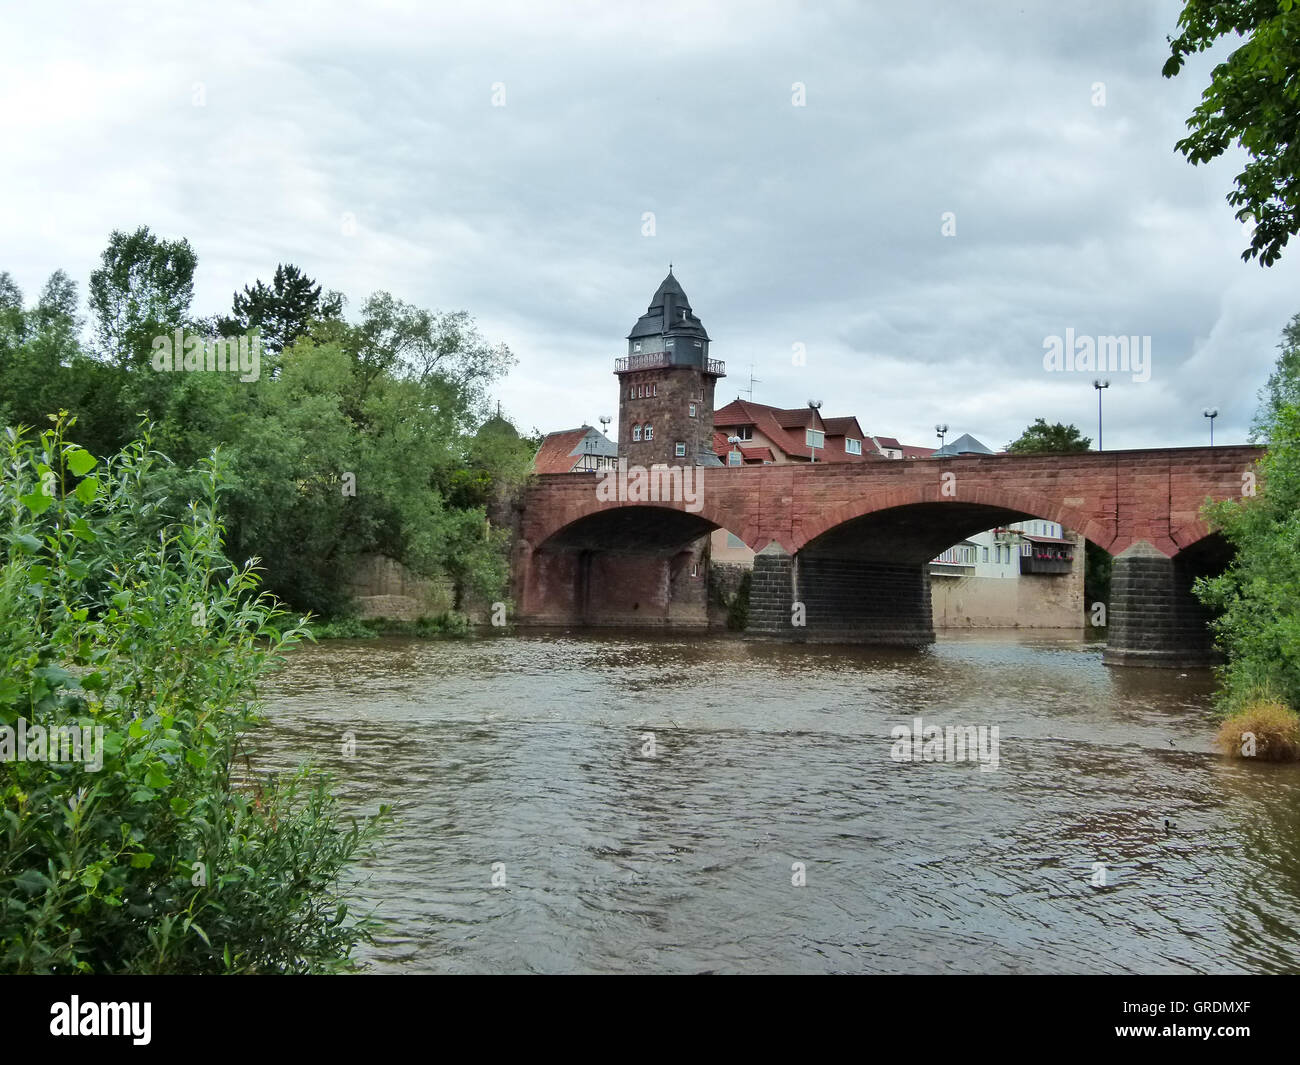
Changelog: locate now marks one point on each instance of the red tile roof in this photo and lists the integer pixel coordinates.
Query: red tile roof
(782, 427)
(556, 453)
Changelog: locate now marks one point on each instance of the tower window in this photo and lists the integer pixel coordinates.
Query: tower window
(649, 433)
(656, 389)
(636, 432)
(631, 392)
(636, 346)
(680, 450)
(640, 391)
(691, 410)
(668, 343)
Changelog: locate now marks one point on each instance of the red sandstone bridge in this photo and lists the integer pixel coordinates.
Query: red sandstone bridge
(852, 542)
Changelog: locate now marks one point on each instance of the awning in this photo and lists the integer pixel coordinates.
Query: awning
(1046, 539)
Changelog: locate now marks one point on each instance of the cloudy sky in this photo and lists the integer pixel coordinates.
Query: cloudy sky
(503, 158)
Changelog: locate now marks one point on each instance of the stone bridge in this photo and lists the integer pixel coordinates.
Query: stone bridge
(845, 547)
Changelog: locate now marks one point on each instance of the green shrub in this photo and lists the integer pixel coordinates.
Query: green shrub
(738, 610)
(116, 617)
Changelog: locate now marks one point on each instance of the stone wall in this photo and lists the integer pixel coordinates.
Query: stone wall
(384, 588)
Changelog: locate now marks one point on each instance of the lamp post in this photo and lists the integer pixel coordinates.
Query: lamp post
(814, 405)
(1099, 385)
(941, 431)
(1211, 413)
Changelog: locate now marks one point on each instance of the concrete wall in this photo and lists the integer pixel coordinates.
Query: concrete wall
(1031, 601)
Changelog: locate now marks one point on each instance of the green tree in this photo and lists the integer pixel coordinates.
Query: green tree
(1041, 437)
(142, 288)
(1258, 595)
(1283, 387)
(283, 310)
(1253, 102)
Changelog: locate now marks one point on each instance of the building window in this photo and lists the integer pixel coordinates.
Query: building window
(699, 343)
(691, 410)
(649, 433)
(695, 569)
(656, 389)
(853, 447)
(636, 432)
(1026, 549)
(745, 432)
(668, 343)
(680, 449)
(734, 458)
(814, 438)
(631, 393)
(986, 554)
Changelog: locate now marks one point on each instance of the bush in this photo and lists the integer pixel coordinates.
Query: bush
(1274, 728)
(738, 609)
(158, 861)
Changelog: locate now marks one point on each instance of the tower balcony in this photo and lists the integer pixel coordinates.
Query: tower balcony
(655, 360)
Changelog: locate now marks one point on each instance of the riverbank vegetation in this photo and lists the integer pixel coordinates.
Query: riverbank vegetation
(1258, 596)
(133, 837)
(345, 438)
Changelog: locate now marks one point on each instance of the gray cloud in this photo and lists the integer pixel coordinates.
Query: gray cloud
(818, 224)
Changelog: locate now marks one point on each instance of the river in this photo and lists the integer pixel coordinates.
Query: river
(653, 800)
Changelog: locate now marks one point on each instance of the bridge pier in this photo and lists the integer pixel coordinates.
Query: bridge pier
(859, 601)
(771, 592)
(1154, 619)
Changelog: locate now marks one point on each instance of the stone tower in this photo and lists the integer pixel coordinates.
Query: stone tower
(666, 383)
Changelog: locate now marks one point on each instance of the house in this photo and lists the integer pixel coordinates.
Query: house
(581, 450)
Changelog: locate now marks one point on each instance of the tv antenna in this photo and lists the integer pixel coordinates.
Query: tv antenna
(752, 382)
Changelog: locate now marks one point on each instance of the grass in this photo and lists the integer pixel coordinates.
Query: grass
(1264, 723)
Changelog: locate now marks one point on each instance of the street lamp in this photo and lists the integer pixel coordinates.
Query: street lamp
(1099, 385)
(941, 431)
(814, 405)
(1211, 413)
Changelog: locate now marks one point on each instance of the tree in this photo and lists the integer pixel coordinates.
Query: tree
(1041, 437)
(1253, 101)
(1258, 595)
(143, 288)
(1283, 387)
(283, 310)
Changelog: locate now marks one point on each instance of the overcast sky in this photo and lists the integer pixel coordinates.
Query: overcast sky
(258, 131)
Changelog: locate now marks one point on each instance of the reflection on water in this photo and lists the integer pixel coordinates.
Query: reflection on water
(528, 751)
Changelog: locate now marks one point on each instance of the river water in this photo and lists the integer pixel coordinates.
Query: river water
(772, 763)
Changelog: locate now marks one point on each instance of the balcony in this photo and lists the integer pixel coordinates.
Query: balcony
(655, 360)
(651, 360)
(1046, 563)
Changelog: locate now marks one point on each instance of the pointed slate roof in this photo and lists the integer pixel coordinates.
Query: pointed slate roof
(964, 445)
(669, 314)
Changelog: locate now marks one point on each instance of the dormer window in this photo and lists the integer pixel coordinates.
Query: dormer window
(853, 447)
